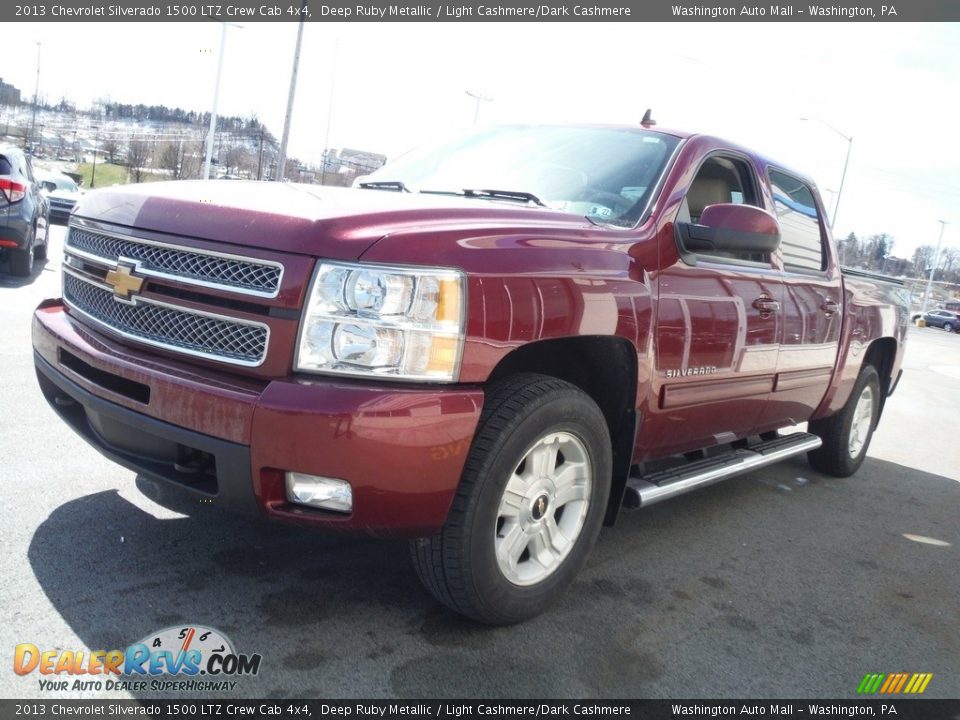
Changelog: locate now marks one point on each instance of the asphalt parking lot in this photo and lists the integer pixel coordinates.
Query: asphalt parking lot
(780, 583)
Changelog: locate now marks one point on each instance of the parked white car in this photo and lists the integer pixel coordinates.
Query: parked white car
(62, 194)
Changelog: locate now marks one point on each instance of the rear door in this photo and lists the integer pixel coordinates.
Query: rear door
(811, 306)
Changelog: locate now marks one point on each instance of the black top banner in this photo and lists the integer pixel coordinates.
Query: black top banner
(473, 11)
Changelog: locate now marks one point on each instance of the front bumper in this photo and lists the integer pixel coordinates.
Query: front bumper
(401, 447)
(60, 209)
(60, 216)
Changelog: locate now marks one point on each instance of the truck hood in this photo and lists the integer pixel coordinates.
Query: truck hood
(338, 223)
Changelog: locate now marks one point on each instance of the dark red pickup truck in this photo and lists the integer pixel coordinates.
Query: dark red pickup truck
(489, 347)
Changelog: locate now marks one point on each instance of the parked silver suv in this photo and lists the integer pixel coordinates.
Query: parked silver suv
(23, 212)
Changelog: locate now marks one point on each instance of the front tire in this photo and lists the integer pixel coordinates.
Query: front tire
(529, 507)
(846, 435)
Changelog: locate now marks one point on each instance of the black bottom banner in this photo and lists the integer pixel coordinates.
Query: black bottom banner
(914, 709)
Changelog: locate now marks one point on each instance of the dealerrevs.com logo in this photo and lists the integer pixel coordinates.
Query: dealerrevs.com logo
(178, 658)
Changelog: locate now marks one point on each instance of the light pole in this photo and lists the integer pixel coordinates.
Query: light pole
(36, 94)
(846, 163)
(216, 97)
(96, 140)
(326, 139)
(285, 138)
(933, 267)
(479, 99)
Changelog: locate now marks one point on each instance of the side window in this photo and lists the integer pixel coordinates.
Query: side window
(722, 180)
(801, 239)
(719, 180)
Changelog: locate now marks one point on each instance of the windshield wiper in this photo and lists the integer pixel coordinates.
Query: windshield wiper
(395, 185)
(504, 195)
(490, 194)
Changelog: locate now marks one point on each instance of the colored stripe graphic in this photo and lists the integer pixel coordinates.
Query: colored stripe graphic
(894, 683)
(923, 679)
(870, 683)
(899, 686)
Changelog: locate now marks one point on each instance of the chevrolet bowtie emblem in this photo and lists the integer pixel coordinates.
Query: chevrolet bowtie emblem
(123, 281)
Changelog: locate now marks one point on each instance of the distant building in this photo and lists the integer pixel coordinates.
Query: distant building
(9, 95)
(361, 160)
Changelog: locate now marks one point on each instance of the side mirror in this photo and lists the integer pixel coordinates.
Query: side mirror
(728, 227)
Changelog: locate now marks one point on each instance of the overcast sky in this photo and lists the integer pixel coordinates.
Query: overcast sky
(895, 88)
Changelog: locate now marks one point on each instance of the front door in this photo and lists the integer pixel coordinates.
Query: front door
(718, 327)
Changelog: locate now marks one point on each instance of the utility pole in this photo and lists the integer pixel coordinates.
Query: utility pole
(282, 162)
(260, 155)
(479, 99)
(933, 267)
(96, 139)
(216, 97)
(846, 164)
(36, 94)
(326, 139)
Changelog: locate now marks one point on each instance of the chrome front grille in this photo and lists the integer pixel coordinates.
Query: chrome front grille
(244, 275)
(200, 334)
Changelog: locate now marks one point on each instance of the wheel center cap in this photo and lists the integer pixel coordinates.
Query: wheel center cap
(539, 507)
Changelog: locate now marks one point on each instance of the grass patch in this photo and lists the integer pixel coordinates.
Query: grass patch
(108, 175)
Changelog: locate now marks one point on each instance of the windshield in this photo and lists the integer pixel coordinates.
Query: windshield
(60, 182)
(605, 174)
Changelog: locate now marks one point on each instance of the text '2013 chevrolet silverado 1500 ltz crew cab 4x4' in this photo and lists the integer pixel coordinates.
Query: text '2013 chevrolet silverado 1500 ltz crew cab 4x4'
(488, 347)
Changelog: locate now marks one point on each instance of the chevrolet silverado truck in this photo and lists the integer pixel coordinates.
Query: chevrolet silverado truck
(488, 347)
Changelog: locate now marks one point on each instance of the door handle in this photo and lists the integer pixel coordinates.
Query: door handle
(766, 306)
(829, 306)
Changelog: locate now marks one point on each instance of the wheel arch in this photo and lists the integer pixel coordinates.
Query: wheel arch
(605, 368)
(882, 354)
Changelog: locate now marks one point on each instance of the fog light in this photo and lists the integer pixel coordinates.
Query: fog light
(319, 492)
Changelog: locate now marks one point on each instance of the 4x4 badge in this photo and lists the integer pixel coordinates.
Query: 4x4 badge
(123, 281)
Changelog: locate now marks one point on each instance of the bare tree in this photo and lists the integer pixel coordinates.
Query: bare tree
(877, 248)
(292, 170)
(236, 158)
(191, 163)
(849, 248)
(922, 259)
(110, 146)
(170, 157)
(138, 152)
(950, 259)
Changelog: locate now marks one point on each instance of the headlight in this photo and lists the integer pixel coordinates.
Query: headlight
(392, 322)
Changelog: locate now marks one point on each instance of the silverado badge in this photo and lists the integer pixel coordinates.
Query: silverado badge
(684, 372)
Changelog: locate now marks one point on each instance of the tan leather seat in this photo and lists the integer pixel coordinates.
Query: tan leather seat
(704, 192)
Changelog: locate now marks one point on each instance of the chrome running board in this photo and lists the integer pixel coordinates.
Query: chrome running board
(652, 488)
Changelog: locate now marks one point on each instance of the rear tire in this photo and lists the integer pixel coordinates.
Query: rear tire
(21, 259)
(846, 435)
(21, 262)
(948, 327)
(529, 506)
